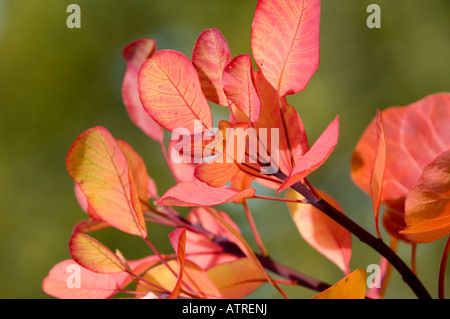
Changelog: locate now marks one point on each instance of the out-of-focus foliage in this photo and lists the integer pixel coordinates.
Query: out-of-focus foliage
(57, 82)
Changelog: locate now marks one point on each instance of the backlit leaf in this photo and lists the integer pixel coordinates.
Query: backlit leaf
(415, 135)
(195, 280)
(316, 155)
(239, 88)
(351, 287)
(138, 169)
(178, 241)
(285, 42)
(427, 206)
(210, 56)
(197, 193)
(320, 231)
(98, 166)
(170, 91)
(135, 54)
(93, 255)
(237, 279)
(69, 280)
(377, 176)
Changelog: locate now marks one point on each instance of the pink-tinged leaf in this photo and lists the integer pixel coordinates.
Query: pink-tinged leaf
(239, 88)
(135, 54)
(197, 193)
(285, 42)
(315, 157)
(201, 249)
(170, 91)
(178, 241)
(216, 174)
(352, 286)
(138, 169)
(89, 225)
(96, 163)
(93, 255)
(237, 279)
(377, 176)
(241, 181)
(182, 167)
(210, 56)
(321, 232)
(427, 205)
(69, 280)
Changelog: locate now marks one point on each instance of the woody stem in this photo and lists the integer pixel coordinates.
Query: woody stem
(377, 244)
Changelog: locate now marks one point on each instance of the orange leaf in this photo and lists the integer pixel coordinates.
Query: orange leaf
(93, 255)
(377, 175)
(210, 56)
(239, 88)
(236, 279)
(194, 277)
(98, 166)
(315, 156)
(285, 42)
(135, 54)
(170, 91)
(178, 241)
(216, 174)
(351, 287)
(427, 206)
(321, 232)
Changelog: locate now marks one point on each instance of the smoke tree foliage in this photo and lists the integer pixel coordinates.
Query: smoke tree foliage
(402, 161)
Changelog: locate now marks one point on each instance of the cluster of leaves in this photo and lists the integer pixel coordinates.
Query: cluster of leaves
(165, 90)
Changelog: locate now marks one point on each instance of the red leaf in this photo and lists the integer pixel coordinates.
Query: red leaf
(170, 91)
(178, 241)
(315, 157)
(197, 193)
(135, 54)
(270, 118)
(96, 163)
(285, 42)
(321, 232)
(210, 56)
(239, 88)
(427, 206)
(93, 255)
(377, 176)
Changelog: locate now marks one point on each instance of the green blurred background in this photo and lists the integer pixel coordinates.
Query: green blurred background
(56, 82)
